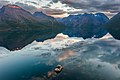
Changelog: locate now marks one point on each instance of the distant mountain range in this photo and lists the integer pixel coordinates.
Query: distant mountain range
(113, 26)
(43, 16)
(16, 23)
(19, 27)
(13, 17)
(85, 25)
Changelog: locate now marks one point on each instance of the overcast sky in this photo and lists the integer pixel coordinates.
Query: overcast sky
(61, 8)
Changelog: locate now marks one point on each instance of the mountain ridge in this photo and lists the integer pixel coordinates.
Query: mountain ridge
(19, 27)
(85, 25)
(113, 26)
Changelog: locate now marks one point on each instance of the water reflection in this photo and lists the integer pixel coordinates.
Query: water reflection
(65, 55)
(16, 40)
(92, 59)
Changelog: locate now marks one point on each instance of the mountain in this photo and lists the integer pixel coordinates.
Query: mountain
(15, 19)
(14, 40)
(43, 16)
(85, 25)
(113, 26)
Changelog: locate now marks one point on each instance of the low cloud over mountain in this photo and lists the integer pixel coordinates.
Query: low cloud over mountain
(109, 7)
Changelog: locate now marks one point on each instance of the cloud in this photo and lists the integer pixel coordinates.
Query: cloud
(53, 11)
(32, 2)
(109, 7)
(93, 5)
(3, 2)
(97, 4)
(66, 55)
(58, 7)
(109, 14)
(55, 1)
(24, 5)
(56, 13)
(33, 6)
(27, 7)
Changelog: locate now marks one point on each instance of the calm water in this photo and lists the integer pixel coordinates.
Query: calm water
(85, 60)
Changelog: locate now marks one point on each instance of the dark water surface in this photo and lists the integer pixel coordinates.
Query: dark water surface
(97, 59)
